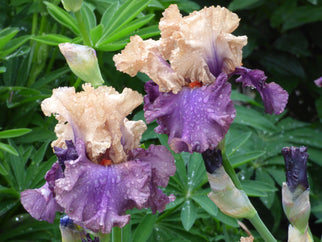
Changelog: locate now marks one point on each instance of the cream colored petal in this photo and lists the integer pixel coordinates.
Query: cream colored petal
(200, 45)
(97, 117)
(144, 56)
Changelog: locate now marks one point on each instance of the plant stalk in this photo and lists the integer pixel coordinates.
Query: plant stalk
(261, 228)
(82, 28)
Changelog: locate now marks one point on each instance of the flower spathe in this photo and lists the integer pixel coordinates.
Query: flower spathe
(93, 129)
(191, 62)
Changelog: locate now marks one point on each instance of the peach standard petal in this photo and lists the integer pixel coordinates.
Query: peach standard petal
(97, 116)
(144, 56)
(202, 43)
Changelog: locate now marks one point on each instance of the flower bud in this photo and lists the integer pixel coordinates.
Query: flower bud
(69, 231)
(294, 235)
(227, 197)
(295, 192)
(212, 159)
(83, 62)
(72, 5)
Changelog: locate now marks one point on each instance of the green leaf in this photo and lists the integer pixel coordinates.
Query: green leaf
(196, 172)
(239, 159)
(113, 46)
(148, 32)
(188, 214)
(315, 155)
(206, 203)
(96, 33)
(3, 170)
(243, 4)
(128, 11)
(13, 45)
(145, 228)
(6, 205)
(6, 35)
(50, 77)
(109, 13)
(62, 17)
(237, 96)
(125, 30)
(253, 118)
(283, 64)
(227, 220)
(257, 188)
(11, 133)
(88, 16)
(302, 15)
(52, 39)
(8, 148)
(234, 142)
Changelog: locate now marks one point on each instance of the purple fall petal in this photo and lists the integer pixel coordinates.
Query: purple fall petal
(40, 203)
(318, 82)
(274, 97)
(97, 196)
(195, 119)
(295, 164)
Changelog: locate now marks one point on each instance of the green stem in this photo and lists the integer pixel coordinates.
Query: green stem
(261, 228)
(82, 28)
(104, 237)
(117, 234)
(228, 168)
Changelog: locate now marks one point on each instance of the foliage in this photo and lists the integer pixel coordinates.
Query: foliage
(284, 40)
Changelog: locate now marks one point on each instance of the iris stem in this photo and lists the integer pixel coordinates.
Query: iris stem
(117, 234)
(255, 220)
(261, 228)
(82, 28)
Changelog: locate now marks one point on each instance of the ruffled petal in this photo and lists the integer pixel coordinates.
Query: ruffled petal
(91, 116)
(145, 56)
(97, 197)
(40, 203)
(200, 45)
(274, 97)
(195, 119)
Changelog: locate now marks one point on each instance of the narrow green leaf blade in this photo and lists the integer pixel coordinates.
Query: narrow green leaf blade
(205, 202)
(62, 17)
(11, 133)
(6, 35)
(52, 39)
(240, 159)
(128, 11)
(8, 148)
(145, 228)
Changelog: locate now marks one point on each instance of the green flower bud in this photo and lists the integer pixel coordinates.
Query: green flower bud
(83, 62)
(227, 197)
(296, 206)
(72, 5)
(294, 235)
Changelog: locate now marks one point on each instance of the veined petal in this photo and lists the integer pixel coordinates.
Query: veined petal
(195, 119)
(318, 82)
(40, 203)
(274, 97)
(97, 116)
(97, 197)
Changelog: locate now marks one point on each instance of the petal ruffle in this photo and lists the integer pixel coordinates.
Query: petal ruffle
(40, 203)
(274, 97)
(90, 115)
(97, 197)
(195, 119)
(200, 46)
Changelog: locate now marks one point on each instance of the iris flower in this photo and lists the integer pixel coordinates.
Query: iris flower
(189, 95)
(101, 171)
